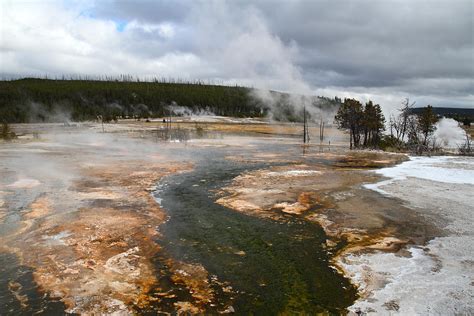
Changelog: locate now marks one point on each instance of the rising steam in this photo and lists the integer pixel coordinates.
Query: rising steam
(448, 133)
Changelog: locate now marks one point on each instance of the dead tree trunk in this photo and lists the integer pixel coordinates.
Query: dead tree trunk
(321, 130)
(305, 133)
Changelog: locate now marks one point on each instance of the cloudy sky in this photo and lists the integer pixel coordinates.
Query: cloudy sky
(382, 50)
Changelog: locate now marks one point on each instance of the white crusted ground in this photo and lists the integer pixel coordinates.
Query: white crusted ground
(438, 278)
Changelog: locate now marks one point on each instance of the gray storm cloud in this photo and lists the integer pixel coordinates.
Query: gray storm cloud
(384, 51)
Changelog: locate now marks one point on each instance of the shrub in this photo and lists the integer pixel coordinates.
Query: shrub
(6, 132)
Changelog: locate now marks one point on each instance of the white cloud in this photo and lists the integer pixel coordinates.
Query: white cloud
(386, 54)
(48, 38)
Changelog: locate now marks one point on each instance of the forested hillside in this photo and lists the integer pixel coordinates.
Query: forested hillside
(44, 100)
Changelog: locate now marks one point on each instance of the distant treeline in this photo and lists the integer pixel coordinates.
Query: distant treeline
(463, 115)
(43, 100)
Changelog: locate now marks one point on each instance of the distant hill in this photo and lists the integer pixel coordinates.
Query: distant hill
(43, 100)
(460, 114)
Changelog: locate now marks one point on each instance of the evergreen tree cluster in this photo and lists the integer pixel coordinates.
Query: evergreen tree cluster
(42, 100)
(364, 123)
(82, 99)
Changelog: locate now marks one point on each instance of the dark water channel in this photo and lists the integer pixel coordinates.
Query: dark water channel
(19, 294)
(284, 269)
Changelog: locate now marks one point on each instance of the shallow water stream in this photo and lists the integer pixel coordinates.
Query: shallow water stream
(255, 265)
(272, 266)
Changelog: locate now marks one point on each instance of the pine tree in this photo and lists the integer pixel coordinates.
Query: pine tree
(367, 122)
(349, 117)
(426, 123)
